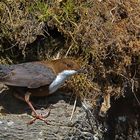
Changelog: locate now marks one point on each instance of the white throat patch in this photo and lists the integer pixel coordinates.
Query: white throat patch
(60, 79)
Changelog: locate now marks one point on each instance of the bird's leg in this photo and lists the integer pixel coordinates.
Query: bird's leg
(23, 99)
(37, 116)
(19, 97)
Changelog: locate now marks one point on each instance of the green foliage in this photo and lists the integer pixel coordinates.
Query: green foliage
(40, 9)
(69, 8)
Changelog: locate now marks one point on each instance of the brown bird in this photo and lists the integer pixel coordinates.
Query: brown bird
(39, 78)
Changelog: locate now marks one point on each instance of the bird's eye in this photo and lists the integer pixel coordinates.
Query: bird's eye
(69, 65)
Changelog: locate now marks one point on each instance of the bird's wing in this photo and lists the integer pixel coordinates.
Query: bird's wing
(31, 75)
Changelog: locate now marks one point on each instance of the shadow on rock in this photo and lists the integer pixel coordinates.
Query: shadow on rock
(11, 105)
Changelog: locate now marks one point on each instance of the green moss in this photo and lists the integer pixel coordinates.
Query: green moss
(69, 7)
(40, 9)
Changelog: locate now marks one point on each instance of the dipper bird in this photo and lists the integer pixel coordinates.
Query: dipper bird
(39, 78)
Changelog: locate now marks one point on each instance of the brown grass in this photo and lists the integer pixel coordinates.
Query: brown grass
(104, 35)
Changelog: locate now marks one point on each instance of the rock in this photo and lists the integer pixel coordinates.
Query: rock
(15, 114)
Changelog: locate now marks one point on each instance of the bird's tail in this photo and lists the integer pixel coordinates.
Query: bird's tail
(2, 76)
(3, 71)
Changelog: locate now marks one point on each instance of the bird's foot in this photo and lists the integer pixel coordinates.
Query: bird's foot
(36, 118)
(39, 115)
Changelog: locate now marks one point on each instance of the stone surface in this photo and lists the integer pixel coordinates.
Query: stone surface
(15, 114)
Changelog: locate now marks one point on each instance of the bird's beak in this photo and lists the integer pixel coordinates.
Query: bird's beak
(82, 70)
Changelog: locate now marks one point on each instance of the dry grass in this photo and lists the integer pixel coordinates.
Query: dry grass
(104, 35)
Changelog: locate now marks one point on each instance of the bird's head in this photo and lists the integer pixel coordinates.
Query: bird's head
(68, 65)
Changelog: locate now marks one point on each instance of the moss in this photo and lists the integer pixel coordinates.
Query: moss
(82, 87)
(40, 9)
(102, 34)
(68, 9)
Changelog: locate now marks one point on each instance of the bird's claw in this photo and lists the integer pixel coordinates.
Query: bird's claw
(39, 117)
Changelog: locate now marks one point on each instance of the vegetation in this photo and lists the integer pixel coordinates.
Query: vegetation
(103, 35)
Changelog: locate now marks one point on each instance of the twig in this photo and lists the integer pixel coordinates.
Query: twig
(9, 13)
(132, 82)
(113, 17)
(134, 23)
(68, 50)
(75, 102)
(87, 109)
(11, 46)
